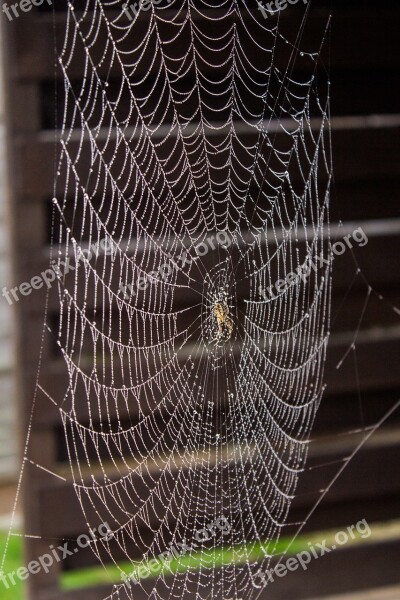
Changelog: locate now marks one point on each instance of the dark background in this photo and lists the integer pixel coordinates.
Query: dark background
(363, 59)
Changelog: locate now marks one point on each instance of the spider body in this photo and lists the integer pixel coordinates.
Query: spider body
(224, 322)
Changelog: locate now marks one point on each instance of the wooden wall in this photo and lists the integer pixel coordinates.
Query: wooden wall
(365, 64)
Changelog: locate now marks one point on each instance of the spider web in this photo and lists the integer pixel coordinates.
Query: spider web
(189, 127)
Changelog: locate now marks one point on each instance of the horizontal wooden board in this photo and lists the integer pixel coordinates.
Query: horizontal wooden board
(362, 92)
(351, 37)
(360, 568)
(359, 152)
(374, 256)
(377, 356)
(364, 67)
(383, 449)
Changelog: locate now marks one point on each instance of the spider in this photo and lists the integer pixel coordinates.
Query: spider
(224, 322)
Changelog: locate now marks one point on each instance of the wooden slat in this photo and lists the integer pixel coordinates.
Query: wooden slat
(366, 154)
(352, 36)
(377, 369)
(373, 258)
(386, 593)
(382, 450)
(368, 137)
(347, 569)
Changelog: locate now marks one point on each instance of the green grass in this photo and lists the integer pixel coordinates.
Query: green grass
(14, 560)
(88, 577)
(216, 557)
(212, 558)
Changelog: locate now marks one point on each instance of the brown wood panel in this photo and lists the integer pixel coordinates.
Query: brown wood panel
(366, 150)
(352, 36)
(368, 137)
(355, 484)
(377, 354)
(359, 569)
